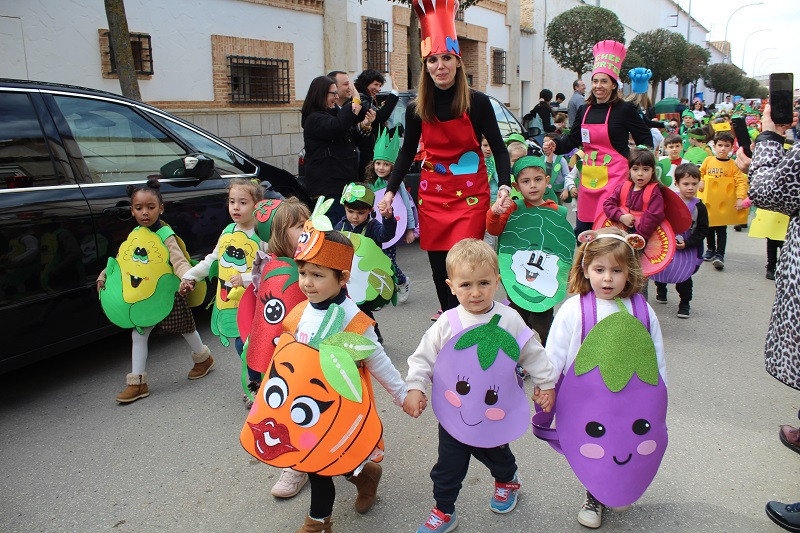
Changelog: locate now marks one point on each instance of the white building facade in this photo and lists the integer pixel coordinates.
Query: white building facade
(241, 68)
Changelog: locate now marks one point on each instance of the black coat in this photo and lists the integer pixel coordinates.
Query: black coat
(331, 159)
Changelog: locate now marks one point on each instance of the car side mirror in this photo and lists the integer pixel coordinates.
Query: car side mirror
(534, 131)
(192, 166)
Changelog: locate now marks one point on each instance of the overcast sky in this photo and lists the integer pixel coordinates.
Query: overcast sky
(772, 50)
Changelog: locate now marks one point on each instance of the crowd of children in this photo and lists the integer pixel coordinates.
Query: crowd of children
(522, 336)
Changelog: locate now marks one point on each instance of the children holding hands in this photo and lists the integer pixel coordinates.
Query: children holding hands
(473, 277)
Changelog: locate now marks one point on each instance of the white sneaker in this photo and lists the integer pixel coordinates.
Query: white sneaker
(289, 484)
(591, 513)
(404, 290)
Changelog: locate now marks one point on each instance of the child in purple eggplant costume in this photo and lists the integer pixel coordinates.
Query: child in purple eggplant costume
(612, 398)
(470, 355)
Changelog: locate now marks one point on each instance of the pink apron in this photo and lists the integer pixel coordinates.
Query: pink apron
(603, 168)
(453, 185)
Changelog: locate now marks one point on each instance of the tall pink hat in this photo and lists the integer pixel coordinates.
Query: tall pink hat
(608, 58)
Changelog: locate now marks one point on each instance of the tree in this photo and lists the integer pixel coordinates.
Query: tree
(119, 39)
(751, 88)
(723, 78)
(662, 51)
(695, 65)
(571, 35)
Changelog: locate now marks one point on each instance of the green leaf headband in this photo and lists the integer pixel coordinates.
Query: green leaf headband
(357, 193)
(319, 220)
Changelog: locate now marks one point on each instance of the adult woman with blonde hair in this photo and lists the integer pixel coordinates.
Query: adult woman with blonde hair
(449, 118)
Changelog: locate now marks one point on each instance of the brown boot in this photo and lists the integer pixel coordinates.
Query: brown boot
(315, 526)
(137, 388)
(367, 484)
(202, 363)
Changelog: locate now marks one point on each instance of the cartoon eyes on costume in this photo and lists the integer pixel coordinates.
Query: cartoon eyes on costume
(463, 388)
(275, 392)
(491, 397)
(305, 411)
(274, 309)
(641, 426)
(597, 430)
(304, 237)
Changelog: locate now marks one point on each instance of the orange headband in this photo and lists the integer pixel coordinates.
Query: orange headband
(313, 247)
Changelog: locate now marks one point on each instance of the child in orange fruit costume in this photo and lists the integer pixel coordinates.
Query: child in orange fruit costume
(314, 411)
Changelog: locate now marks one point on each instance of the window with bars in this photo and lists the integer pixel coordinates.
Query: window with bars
(498, 67)
(258, 80)
(142, 52)
(376, 53)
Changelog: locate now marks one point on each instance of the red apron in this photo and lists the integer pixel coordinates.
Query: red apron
(603, 168)
(453, 201)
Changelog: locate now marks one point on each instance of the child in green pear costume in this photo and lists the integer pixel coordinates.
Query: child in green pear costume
(231, 261)
(139, 289)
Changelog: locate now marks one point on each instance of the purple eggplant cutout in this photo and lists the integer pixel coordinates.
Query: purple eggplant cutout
(477, 395)
(611, 410)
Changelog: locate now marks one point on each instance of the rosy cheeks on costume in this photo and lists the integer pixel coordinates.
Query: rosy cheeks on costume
(308, 440)
(592, 451)
(647, 447)
(452, 398)
(493, 413)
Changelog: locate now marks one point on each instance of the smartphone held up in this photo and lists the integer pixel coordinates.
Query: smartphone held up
(781, 93)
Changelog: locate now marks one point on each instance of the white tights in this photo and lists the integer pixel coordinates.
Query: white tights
(139, 351)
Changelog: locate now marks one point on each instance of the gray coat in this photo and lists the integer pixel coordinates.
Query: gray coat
(775, 185)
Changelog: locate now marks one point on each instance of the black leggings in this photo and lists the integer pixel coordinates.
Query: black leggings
(323, 494)
(772, 253)
(447, 300)
(717, 239)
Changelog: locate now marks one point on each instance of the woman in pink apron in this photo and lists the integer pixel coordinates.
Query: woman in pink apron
(602, 127)
(450, 120)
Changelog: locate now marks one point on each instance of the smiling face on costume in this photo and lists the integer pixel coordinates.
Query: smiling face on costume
(442, 68)
(603, 86)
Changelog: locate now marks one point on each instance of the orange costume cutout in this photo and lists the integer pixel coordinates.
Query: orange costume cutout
(301, 419)
(495, 224)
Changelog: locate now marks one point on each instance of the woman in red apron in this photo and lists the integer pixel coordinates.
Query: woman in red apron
(602, 127)
(450, 120)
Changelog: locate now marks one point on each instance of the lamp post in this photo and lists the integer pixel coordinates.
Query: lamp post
(725, 40)
(744, 46)
(755, 59)
(767, 61)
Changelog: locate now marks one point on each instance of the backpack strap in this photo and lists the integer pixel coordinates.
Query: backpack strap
(293, 318)
(165, 232)
(455, 321)
(639, 305)
(359, 323)
(648, 192)
(624, 192)
(588, 313)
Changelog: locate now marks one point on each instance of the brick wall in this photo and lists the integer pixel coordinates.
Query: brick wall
(398, 56)
(105, 57)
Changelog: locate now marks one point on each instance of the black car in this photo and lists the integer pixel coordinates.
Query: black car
(67, 155)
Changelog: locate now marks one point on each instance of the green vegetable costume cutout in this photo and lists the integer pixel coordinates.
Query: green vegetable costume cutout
(535, 254)
(372, 276)
(140, 283)
(695, 155)
(236, 254)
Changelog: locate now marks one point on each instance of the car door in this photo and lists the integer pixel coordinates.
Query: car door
(115, 145)
(48, 251)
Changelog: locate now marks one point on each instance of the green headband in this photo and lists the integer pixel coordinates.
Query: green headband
(696, 136)
(529, 161)
(357, 193)
(687, 113)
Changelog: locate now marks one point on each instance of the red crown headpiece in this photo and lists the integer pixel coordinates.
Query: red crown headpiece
(437, 21)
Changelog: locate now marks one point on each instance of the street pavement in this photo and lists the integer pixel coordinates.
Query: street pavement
(74, 460)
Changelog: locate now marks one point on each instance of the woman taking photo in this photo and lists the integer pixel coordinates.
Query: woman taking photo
(602, 126)
(450, 119)
(369, 83)
(331, 160)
